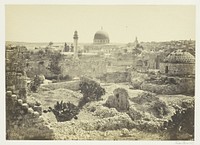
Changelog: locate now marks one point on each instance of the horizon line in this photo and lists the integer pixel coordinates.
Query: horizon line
(92, 42)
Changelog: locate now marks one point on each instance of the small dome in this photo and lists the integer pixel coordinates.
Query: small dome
(180, 56)
(101, 37)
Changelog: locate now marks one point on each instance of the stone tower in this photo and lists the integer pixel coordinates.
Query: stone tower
(75, 45)
(136, 42)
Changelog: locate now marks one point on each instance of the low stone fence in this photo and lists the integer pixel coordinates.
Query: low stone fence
(116, 77)
(71, 85)
(182, 86)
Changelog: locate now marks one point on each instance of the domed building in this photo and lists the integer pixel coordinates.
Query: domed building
(101, 37)
(179, 62)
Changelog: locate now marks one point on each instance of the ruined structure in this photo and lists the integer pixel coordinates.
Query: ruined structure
(146, 61)
(119, 100)
(23, 117)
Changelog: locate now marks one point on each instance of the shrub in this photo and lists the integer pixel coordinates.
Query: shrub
(91, 90)
(34, 85)
(64, 111)
(181, 125)
(145, 97)
(159, 109)
(64, 77)
(54, 77)
(54, 65)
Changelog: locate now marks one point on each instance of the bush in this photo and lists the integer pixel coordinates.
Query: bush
(145, 97)
(64, 111)
(159, 109)
(181, 125)
(54, 65)
(54, 77)
(35, 84)
(64, 77)
(91, 90)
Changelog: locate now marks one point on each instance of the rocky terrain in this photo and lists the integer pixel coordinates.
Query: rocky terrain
(143, 121)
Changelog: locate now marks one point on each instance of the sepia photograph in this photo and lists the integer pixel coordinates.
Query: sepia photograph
(100, 72)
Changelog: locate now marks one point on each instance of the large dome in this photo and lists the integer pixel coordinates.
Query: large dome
(101, 37)
(180, 56)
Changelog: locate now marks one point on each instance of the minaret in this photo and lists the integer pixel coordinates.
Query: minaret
(75, 45)
(136, 41)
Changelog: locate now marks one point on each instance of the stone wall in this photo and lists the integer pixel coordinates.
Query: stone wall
(93, 67)
(71, 85)
(177, 68)
(23, 118)
(181, 86)
(116, 77)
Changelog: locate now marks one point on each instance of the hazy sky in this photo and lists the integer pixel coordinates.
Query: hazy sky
(57, 23)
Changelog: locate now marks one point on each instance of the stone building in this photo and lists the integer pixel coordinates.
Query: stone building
(179, 62)
(101, 44)
(146, 61)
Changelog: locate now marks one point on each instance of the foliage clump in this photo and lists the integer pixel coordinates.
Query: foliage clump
(54, 65)
(145, 97)
(159, 109)
(91, 90)
(181, 125)
(64, 111)
(35, 83)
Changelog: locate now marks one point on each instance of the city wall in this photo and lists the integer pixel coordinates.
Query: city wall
(91, 67)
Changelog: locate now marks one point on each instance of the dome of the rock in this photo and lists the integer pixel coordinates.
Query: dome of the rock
(101, 37)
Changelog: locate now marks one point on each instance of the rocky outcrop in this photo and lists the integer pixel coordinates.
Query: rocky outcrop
(119, 100)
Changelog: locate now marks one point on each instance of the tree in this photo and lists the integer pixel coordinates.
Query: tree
(54, 63)
(91, 90)
(181, 123)
(35, 84)
(50, 44)
(66, 48)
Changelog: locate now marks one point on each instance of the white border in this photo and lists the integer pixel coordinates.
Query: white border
(101, 2)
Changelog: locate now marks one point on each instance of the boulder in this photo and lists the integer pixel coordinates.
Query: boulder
(120, 100)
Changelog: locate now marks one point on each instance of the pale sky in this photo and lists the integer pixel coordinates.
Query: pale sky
(57, 23)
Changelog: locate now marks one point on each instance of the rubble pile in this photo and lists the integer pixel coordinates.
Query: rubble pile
(24, 120)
